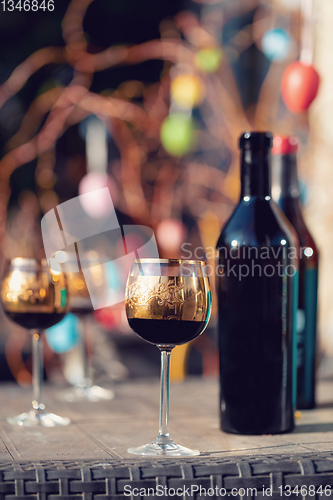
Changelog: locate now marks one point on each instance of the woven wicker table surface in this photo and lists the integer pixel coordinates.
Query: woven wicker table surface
(89, 459)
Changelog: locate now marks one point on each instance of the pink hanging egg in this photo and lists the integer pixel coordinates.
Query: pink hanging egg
(99, 203)
(299, 86)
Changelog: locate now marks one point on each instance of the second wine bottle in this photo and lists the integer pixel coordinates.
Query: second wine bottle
(286, 194)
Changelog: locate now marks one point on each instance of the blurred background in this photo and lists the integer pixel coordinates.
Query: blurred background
(149, 98)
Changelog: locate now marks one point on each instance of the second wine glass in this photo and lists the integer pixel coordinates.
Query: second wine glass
(80, 304)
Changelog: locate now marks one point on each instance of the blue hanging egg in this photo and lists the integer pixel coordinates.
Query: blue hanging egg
(64, 336)
(276, 44)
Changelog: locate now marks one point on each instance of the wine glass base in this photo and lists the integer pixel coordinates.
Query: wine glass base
(163, 447)
(35, 418)
(91, 393)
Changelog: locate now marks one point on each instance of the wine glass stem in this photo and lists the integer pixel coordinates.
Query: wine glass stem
(37, 370)
(164, 397)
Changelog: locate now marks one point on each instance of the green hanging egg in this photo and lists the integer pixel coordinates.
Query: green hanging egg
(177, 134)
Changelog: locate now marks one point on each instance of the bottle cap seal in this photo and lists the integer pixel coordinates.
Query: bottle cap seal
(284, 144)
(256, 140)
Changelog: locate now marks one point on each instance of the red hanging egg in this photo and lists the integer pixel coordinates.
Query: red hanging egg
(299, 86)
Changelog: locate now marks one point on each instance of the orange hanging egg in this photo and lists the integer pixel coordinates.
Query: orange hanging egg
(299, 86)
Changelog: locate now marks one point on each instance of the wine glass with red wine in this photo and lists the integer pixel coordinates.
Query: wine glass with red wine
(167, 304)
(35, 297)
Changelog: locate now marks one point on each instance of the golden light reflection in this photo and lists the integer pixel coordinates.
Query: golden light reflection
(79, 284)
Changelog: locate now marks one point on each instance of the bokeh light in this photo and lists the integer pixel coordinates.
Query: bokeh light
(177, 134)
(65, 335)
(170, 234)
(187, 90)
(98, 204)
(209, 59)
(276, 44)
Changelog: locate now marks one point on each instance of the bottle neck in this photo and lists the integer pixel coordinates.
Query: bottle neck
(255, 173)
(284, 177)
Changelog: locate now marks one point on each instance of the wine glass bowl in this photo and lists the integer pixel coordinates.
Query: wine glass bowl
(153, 301)
(34, 297)
(167, 304)
(79, 299)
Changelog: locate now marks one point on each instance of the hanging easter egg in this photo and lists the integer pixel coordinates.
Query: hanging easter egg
(98, 203)
(65, 335)
(299, 86)
(209, 59)
(170, 234)
(177, 134)
(187, 90)
(276, 44)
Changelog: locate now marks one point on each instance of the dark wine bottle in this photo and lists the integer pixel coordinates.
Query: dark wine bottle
(257, 277)
(285, 191)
